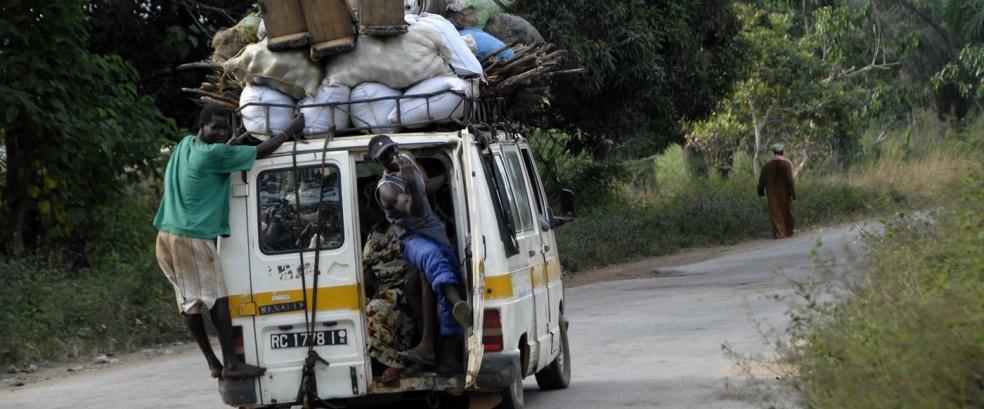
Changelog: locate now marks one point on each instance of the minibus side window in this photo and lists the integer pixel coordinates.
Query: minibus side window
(517, 188)
(299, 209)
(503, 216)
(534, 176)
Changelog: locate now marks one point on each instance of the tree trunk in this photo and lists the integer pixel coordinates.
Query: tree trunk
(758, 125)
(15, 208)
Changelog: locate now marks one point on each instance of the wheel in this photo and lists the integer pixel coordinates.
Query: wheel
(512, 397)
(557, 375)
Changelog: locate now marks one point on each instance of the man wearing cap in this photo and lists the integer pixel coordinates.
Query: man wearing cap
(402, 193)
(776, 179)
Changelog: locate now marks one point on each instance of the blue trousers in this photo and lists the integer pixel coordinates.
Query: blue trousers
(440, 265)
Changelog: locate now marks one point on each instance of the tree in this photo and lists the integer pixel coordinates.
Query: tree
(651, 66)
(76, 131)
(809, 86)
(160, 36)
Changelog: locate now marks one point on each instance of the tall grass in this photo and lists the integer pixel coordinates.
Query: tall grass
(661, 208)
(913, 335)
(910, 333)
(49, 314)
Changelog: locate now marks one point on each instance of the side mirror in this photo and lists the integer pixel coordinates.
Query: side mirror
(567, 207)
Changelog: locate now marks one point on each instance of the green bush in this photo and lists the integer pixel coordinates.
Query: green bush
(705, 212)
(48, 313)
(914, 335)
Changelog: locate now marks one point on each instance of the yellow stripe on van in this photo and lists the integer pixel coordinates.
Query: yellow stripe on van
(553, 269)
(329, 298)
(538, 275)
(498, 286)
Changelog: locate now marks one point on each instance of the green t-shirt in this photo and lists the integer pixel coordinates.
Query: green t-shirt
(196, 187)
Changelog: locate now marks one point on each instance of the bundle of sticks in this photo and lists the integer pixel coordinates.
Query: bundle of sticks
(520, 77)
(218, 87)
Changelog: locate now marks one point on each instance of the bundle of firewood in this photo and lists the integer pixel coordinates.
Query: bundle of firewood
(522, 75)
(218, 87)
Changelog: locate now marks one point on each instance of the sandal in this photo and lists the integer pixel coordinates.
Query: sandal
(418, 368)
(390, 374)
(413, 356)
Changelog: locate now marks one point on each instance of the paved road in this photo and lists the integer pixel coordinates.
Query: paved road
(657, 342)
(643, 343)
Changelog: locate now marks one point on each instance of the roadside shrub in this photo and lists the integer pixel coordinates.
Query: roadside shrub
(704, 212)
(50, 314)
(912, 336)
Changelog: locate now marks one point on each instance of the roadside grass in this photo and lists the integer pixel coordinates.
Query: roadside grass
(907, 330)
(660, 208)
(48, 314)
(911, 335)
(708, 211)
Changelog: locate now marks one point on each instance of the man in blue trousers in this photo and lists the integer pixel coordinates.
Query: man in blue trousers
(402, 193)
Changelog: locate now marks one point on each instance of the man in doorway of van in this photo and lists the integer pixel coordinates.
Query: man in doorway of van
(402, 193)
(776, 179)
(193, 213)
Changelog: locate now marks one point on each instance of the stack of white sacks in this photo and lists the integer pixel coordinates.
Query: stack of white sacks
(422, 69)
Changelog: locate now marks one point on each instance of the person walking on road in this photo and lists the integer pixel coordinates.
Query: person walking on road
(193, 213)
(776, 179)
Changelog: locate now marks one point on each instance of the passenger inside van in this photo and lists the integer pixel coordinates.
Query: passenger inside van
(391, 280)
(402, 193)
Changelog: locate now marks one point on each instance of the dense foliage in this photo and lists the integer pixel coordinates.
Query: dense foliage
(160, 35)
(911, 336)
(651, 65)
(77, 133)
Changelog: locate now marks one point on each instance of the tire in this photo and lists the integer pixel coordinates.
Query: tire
(512, 397)
(557, 375)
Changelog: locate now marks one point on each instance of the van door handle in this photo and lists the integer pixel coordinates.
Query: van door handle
(546, 249)
(532, 253)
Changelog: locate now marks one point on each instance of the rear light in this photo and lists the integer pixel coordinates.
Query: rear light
(237, 340)
(492, 331)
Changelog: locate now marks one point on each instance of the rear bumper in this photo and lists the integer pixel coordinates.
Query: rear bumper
(498, 369)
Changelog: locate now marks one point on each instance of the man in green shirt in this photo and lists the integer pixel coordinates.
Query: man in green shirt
(193, 213)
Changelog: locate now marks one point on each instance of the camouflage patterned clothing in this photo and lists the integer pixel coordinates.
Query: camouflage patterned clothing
(391, 328)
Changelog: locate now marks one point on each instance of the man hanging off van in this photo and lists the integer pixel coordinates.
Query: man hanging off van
(193, 213)
(402, 193)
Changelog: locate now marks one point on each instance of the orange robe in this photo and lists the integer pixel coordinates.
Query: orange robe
(776, 179)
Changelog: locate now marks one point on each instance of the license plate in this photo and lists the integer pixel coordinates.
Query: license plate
(303, 339)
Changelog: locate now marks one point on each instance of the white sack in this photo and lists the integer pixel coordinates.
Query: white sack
(463, 60)
(397, 61)
(470, 42)
(263, 121)
(374, 114)
(291, 72)
(318, 119)
(418, 112)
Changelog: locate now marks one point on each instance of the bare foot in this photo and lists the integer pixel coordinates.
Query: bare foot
(242, 370)
(216, 371)
(463, 313)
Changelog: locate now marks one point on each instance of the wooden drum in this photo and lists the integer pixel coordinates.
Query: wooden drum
(331, 26)
(285, 24)
(381, 17)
